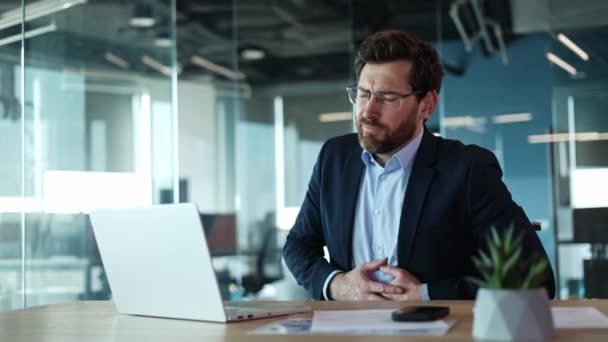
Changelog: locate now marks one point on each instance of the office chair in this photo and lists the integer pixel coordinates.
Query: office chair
(268, 268)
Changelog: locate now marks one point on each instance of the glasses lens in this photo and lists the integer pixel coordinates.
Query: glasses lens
(352, 94)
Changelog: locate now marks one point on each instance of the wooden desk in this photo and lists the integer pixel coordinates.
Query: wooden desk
(98, 321)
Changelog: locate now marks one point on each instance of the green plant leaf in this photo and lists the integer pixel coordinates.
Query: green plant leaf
(536, 274)
(495, 237)
(510, 263)
(495, 257)
(503, 265)
(486, 275)
(518, 239)
(508, 239)
(485, 258)
(496, 279)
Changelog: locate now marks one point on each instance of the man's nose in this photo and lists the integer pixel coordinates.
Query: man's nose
(372, 107)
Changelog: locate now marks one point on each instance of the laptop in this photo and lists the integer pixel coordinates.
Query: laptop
(158, 264)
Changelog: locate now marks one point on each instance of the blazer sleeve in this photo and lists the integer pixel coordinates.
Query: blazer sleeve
(303, 250)
(489, 203)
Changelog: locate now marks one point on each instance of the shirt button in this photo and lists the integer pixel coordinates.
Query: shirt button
(376, 211)
(377, 247)
(382, 177)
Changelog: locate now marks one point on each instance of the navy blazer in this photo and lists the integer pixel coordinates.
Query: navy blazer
(454, 195)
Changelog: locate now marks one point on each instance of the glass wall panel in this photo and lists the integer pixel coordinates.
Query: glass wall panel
(210, 91)
(580, 166)
(260, 76)
(95, 129)
(497, 106)
(12, 135)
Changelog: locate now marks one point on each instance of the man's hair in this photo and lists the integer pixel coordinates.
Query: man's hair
(393, 45)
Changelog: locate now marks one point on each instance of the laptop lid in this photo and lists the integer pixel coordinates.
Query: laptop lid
(157, 262)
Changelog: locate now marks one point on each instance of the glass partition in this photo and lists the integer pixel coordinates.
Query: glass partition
(12, 204)
(578, 139)
(227, 103)
(90, 125)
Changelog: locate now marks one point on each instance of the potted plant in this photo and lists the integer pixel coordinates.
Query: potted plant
(510, 303)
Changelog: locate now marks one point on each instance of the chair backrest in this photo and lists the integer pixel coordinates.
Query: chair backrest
(268, 263)
(221, 232)
(269, 260)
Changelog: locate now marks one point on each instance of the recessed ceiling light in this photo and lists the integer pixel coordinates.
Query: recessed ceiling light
(218, 69)
(561, 63)
(156, 65)
(572, 46)
(163, 40)
(142, 16)
(142, 22)
(252, 54)
(333, 117)
(116, 60)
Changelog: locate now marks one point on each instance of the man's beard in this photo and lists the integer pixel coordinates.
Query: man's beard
(392, 140)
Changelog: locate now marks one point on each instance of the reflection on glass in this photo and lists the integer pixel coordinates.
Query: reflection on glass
(89, 123)
(12, 203)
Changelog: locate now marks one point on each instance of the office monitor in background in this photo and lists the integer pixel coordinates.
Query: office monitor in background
(158, 264)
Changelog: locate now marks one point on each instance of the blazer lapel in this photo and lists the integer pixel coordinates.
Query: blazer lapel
(420, 180)
(353, 171)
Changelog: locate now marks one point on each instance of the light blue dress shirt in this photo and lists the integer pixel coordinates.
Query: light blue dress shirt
(378, 211)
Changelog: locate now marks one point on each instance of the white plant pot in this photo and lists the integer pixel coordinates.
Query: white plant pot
(508, 315)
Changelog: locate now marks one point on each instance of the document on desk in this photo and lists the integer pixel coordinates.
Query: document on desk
(373, 322)
(584, 317)
(291, 326)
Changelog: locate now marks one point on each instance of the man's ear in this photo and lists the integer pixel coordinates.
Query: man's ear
(428, 104)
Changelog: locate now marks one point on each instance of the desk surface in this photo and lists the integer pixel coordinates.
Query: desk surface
(98, 321)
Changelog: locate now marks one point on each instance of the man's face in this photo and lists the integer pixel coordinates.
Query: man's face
(384, 126)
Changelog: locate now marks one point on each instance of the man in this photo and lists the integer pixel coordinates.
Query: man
(401, 212)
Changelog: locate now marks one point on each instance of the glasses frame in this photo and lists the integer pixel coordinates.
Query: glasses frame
(380, 95)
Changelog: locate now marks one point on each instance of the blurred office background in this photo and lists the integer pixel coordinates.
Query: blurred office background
(227, 103)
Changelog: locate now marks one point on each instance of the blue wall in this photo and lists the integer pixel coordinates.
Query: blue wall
(490, 88)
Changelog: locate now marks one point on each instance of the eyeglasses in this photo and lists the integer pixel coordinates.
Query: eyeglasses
(360, 97)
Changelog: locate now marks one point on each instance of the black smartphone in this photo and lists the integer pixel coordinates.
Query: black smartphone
(420, 313)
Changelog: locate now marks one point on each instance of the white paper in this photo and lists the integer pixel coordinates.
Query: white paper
(579, 318)
(292, 326)
(373, 322)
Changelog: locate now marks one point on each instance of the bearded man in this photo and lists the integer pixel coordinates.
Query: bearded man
(401, 211)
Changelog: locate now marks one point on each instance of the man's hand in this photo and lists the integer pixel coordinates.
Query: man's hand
(405, 280)
(356, 284)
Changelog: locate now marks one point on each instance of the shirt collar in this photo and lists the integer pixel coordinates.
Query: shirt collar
(401, 159)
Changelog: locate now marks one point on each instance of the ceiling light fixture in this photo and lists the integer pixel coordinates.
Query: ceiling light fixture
(572, 46)
(218, 69)
(333, 117)
(560, 63)
(142, 16)
(252, 54)
(464, 121)
(35, 10)
(29, 34)
(163, 40)
(557, 137)
(156, 65)
(510, 118)
(112, 58)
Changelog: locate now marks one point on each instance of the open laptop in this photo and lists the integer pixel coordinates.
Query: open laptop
(158, 264)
